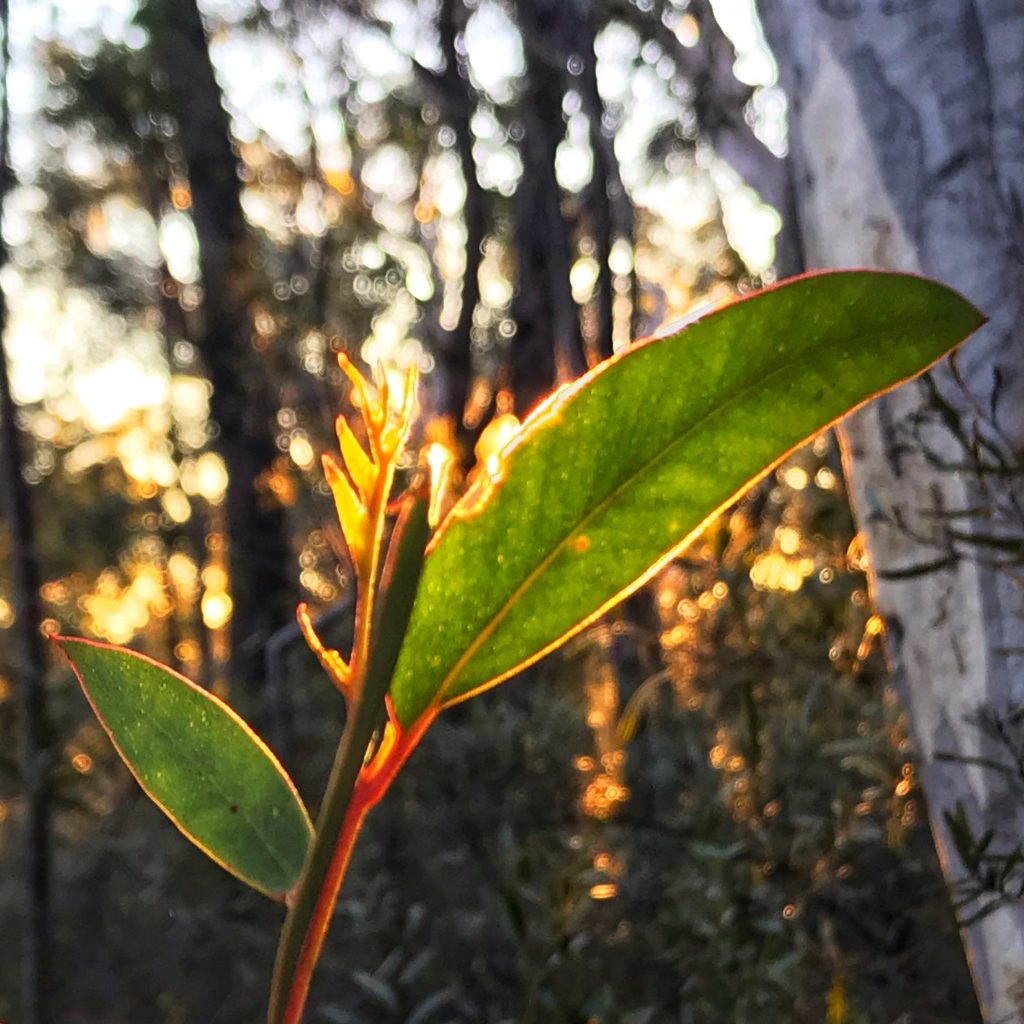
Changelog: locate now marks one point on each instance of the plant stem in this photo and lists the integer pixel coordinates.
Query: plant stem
(353, 787)
(307, 921)
(368, 791)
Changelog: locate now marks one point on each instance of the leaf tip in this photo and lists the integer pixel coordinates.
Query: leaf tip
(61, 642)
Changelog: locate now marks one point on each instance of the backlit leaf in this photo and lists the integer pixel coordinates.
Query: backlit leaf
(615, 474)
(199, 763)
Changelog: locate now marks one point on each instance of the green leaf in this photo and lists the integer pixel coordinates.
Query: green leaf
(199, 763)
(612, 476)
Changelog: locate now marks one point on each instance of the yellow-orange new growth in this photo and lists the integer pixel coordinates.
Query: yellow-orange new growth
(360, 483)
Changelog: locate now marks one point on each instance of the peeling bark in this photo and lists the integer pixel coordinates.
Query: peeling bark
(907, 147)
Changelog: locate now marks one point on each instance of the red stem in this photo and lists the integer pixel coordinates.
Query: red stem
(372, 785)
(324, 909)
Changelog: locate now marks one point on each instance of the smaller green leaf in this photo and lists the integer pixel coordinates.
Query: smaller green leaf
(199, 763)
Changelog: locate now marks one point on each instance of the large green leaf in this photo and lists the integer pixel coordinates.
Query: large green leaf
(613, 475)
(199, 763)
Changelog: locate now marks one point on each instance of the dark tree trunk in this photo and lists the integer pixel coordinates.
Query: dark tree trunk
(604, 181)
(547, 318)
(243, 402)
(174, 326)
(455, 346)
(29, 674)
(28, 663)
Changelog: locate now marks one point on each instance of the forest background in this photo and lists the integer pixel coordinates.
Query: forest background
(705, 809)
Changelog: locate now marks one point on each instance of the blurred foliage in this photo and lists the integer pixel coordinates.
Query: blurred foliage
(757, 850)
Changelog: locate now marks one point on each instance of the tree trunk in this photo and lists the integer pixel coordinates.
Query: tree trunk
(604, 181)
(242, 403)
(455, 346)
(907, 148)
(27, 662)
(547, 318)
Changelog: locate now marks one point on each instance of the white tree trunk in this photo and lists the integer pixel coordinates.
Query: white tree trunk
(907, 152)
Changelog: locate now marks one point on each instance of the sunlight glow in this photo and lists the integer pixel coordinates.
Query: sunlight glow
(495, 51)
(117, 611)
(109, 392)
(301, 451)
(180, 247)
(217, 608)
